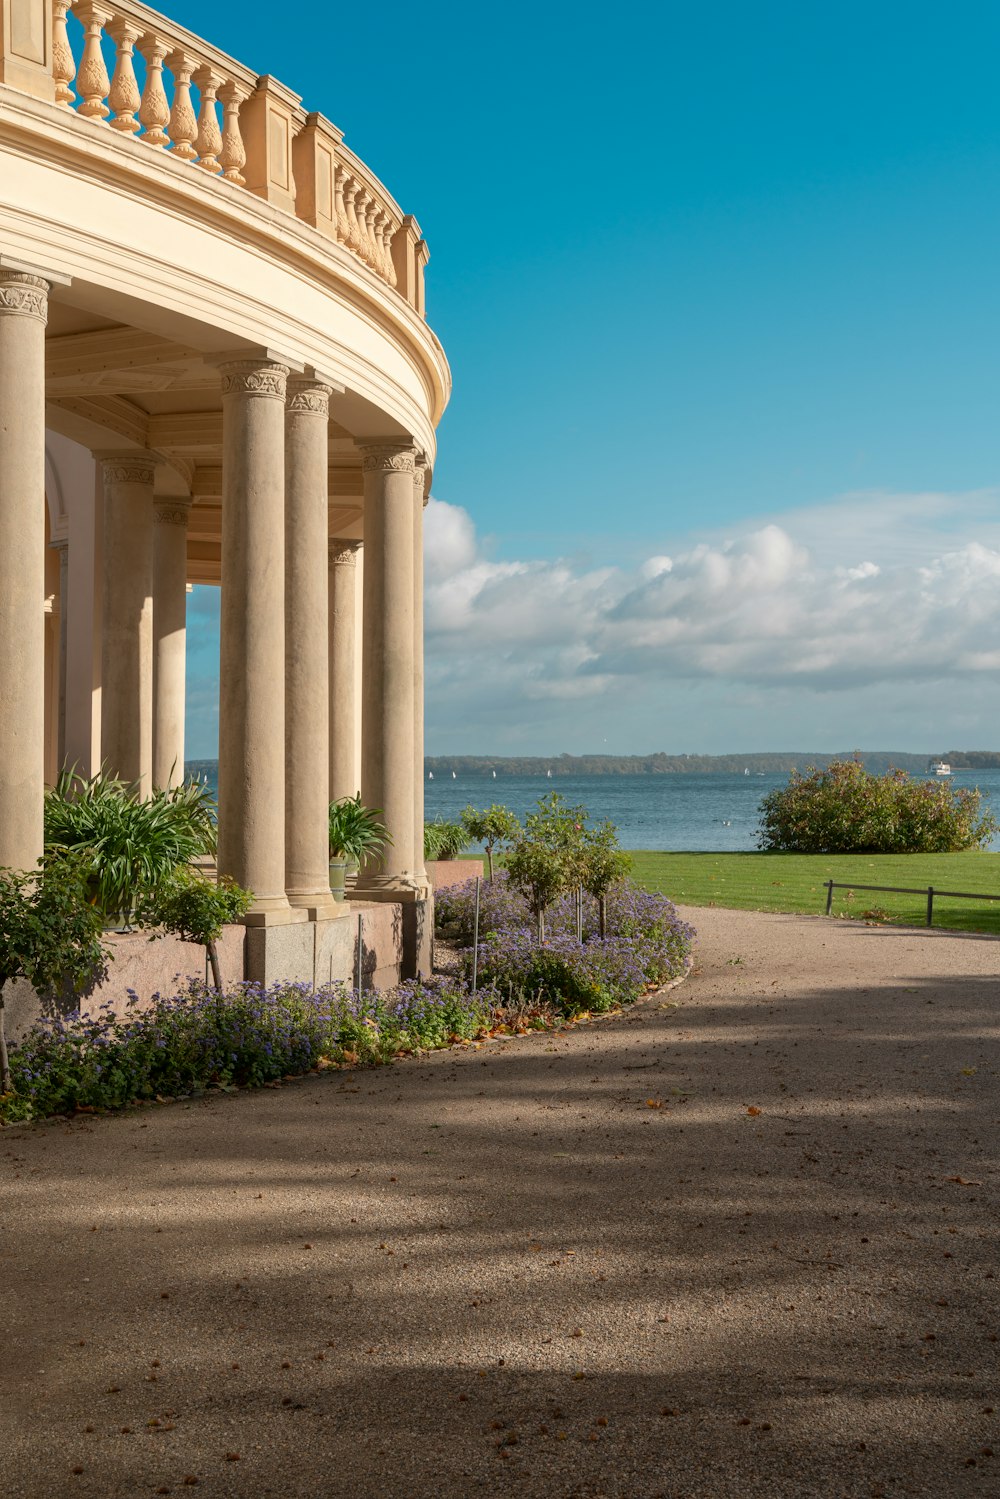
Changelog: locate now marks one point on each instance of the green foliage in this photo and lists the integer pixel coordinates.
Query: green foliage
(50, 933)
(195, 908)
(557, 851)
(356, 832)
(494, 827)
(844, 809)
(443, 840)
(129, 845)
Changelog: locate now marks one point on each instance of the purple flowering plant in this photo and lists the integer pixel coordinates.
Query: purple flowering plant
(645, 945)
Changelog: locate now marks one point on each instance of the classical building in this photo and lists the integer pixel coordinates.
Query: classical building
(215, 368)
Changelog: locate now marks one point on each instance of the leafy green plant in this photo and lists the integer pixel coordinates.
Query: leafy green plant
(195, 908)
(540, 874)
(443, 840)
(604, 865)
(356, 832)
(844, 809)
(50, 934)
(493, 827)
(129, 844)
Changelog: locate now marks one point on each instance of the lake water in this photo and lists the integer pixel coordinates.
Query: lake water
(709, 812)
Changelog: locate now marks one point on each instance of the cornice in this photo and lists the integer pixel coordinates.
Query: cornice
(63, 140)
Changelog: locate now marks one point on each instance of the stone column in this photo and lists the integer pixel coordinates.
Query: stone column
(170, 523)
(127, 628)
(252, 666)
(419, 501)
(23, 313)
(345, 779)
(307, 687)
(61, 545)
(387, 687)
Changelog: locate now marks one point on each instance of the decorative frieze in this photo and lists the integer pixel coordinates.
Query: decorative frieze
(128, 470)
(23, 294)
(309, 395)
(397, 458)
(344, 553)
(172, 512)
(252, 377)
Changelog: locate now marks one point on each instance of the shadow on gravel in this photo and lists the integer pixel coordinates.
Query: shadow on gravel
(737, 1243)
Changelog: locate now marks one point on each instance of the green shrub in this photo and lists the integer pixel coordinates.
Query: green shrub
(196, 909)
(129, 845)
(845, 810)
(50, 934)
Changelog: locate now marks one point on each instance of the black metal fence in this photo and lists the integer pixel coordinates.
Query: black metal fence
(929, 891)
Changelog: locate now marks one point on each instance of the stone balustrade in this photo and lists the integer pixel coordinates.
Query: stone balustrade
(126, 68)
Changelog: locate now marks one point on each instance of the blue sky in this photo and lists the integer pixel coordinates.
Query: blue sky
(718, 288)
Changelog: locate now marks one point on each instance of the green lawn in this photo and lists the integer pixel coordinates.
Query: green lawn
(794, 882)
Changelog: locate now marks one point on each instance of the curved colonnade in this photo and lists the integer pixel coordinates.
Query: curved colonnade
(216, 368)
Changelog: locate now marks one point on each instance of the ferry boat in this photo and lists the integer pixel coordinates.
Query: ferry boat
(942, 768)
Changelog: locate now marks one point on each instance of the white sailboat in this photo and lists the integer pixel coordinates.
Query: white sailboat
(430, 775)
(494, 775)
(454, 776)
(746, 770)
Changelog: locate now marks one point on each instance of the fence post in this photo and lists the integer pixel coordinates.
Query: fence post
(475, 936)
(829, 896)
(930, 905)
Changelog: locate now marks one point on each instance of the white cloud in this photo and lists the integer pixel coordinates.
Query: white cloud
(760, 610)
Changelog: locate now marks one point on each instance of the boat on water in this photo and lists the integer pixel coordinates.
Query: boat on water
(746, 770)
(454, 776)
(430, 775)
(941, 768)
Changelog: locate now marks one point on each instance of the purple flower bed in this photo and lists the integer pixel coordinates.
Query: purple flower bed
(186, 1042)
(646, 944)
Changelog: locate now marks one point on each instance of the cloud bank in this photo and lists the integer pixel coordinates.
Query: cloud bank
(869, 604)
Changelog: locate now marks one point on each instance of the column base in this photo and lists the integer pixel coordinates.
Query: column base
(273, 911)
(318, 905)
(416, 903)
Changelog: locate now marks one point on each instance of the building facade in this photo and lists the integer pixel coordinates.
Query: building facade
(215, 368)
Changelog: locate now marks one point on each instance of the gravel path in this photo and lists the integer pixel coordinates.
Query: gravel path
(740, 1242)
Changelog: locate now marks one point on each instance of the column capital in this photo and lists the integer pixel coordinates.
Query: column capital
(24, 295)
(307, 394)
(254, 377)
(387, 455)
(172, 512)
(420, 475)
(344, 553)
(136, 467)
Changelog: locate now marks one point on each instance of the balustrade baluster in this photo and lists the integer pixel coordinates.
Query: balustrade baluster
(233, 156)
(353, 231)
(183, 124)
(371, 213)
(209, 141)
(343, 223)
(124, 96)
(361, 213)
(155, 111)
(389, 234)
(63, 61)
(381, 229)
(92, 78)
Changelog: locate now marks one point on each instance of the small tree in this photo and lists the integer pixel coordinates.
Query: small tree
(604, 865)
(196, 909)
(493, 828)
(540, 873)
(50, 934)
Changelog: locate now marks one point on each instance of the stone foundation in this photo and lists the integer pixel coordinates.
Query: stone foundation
(396, 942)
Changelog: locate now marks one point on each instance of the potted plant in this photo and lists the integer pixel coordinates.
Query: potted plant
(355, 834)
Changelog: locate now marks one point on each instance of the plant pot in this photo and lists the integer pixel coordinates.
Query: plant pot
(338, 873)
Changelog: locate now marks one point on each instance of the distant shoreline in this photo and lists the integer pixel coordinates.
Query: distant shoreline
(776, 763)
(771, 763)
